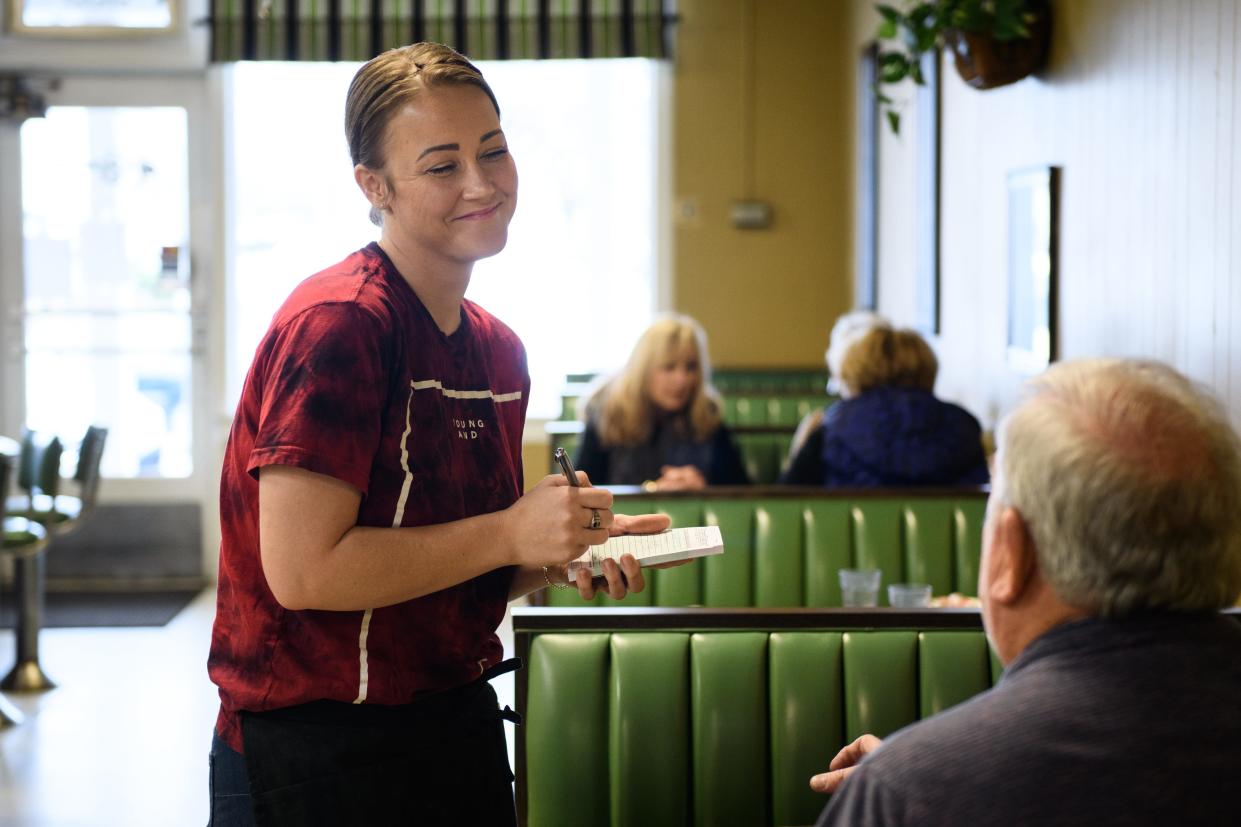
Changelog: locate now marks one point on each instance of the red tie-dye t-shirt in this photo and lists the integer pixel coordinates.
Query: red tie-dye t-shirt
(354, 380)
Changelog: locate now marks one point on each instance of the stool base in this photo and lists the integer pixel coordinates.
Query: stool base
(27, 676)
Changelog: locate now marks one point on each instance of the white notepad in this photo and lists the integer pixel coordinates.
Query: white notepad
(650, 549)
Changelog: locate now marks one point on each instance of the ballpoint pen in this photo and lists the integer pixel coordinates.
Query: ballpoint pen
(562, 457)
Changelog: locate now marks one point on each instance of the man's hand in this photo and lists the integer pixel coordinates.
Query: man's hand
(843, 764)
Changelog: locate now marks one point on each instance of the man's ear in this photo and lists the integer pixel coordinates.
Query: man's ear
(373, 186)
(1013, 560)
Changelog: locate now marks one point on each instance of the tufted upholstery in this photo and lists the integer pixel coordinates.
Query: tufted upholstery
(676, 725)
(784, 547)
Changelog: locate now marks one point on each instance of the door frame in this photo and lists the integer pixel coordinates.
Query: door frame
(190, 91)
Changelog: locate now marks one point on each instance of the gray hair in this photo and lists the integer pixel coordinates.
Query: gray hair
(845, 332)
(1129, 479)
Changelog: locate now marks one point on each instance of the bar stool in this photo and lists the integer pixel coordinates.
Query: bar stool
(38, 474)
(58, 514)
(22, 539)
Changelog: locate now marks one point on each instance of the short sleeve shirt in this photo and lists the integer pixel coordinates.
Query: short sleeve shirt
(354, 380)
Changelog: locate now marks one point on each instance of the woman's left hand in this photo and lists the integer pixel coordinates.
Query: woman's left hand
(625, 578)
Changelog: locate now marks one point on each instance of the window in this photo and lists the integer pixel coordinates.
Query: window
(577, 280)
(94, 16)
(105, 225)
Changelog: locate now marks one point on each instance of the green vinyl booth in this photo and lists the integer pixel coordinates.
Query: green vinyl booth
(719, 717)
(784, 546)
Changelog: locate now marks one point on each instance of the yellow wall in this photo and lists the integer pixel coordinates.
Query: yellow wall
(773, 76)
(1139, 107)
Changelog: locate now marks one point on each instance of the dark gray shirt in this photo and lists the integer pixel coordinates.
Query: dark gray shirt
(1096, 722)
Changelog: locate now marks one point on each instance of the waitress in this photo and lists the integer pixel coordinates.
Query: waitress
(373, 526)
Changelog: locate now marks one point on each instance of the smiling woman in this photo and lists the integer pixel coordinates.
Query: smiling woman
(372, 521)
(442, 205)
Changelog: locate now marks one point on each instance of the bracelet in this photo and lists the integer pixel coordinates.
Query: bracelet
(548, 577)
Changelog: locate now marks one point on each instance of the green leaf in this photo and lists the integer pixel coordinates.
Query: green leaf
(915, 72)
(919, 16)
(890, 14)
(893, 67)
(886, 31)
(1010, 20)
(894, 121)
(968, 18)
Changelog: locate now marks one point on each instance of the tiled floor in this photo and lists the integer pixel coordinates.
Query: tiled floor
(123, 739)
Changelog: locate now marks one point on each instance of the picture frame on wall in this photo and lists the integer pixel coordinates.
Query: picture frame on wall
(1033, 253)
(92, 18)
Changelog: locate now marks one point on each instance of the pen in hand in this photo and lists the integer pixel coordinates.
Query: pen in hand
(566, 466)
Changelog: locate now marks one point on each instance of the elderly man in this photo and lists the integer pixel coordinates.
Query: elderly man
(1112, 539)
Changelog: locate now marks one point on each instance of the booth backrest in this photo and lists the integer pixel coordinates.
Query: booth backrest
(721, 727)
(763, 452)
(776, 410)
(783, 547)
(769, 380)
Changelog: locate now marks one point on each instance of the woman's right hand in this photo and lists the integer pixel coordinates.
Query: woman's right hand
(550, 525)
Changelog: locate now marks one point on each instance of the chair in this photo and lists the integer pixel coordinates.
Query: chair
(41, 480)
(23, 540)
(58, 514)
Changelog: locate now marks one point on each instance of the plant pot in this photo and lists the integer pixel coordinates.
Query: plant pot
(984, 62)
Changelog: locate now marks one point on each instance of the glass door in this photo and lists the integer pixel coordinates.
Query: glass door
(104, 322)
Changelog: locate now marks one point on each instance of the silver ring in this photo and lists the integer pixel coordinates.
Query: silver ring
(595, 521)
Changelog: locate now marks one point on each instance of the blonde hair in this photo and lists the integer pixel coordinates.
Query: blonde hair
(1129, 480)
(848, 329)
(888, 356)
(387, 83)
(622, 408)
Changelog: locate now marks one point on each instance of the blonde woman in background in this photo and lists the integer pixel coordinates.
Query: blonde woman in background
(659, 422)
(890, 429)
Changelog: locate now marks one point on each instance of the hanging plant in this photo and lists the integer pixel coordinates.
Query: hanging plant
(993, 42)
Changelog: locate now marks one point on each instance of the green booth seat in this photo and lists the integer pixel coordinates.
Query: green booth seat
(788, 411)
(769, 380)
(784, 545)
(745, 410)
(720, 717)
(761, 454)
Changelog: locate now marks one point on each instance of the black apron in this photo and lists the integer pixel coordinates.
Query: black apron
(441, 760)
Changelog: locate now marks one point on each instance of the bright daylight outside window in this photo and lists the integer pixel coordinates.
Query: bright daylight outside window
(105, 226)
(577, 279)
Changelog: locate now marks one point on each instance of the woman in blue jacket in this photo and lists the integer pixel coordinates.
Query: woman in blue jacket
(889, 429)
